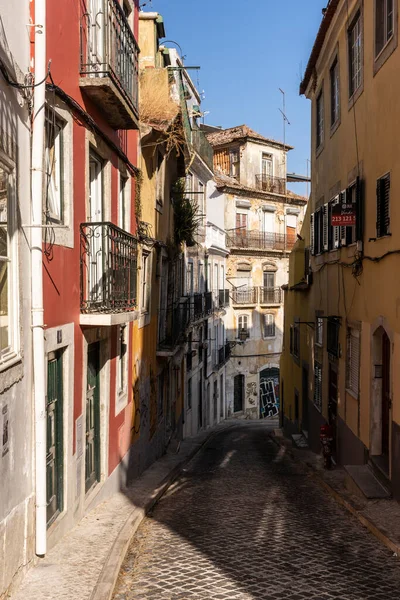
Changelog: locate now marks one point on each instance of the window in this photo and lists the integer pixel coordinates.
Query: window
(189, 279)
(318, 385)
(382, 206)
(320, 119)
(269, 280)
(122, 368)
(189, 185)
(122, 203)
(209, 342)
(319, 331)
(241, 222)
(200, 283)
(145, 297)
(335, 93)
(355, 55)
(353, 361)
(269, 325)
(332, 341)
(296, 339)
(384, 24)
(189, 394)
(54, 204)
(234, 159)
(243, 327)
(9, 338)
(266, 165)
(348, 233)
(216, 278)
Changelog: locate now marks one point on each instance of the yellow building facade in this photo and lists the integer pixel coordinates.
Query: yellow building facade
(344, 327)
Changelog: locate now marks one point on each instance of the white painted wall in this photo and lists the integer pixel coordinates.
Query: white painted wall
(250, 161)
(16, 490)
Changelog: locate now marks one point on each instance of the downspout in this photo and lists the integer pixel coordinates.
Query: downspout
(39, 383)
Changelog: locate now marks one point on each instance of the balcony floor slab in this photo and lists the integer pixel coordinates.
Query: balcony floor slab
(107, 319)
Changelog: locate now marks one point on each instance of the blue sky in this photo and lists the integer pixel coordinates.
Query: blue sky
(247, 49)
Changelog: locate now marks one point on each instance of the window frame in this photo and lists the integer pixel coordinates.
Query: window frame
(356, 17)
(352, 332)
(53, 120)
(334, 97)
(11, 353)
(269, 328)
(319, 331)
(320, 120)
(145, 283)
(240, 319)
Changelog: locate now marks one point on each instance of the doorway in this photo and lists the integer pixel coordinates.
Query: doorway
(304, 399)
(385, 393)
(381, 400)
(269, 392)
(238, 393)
(332, 404)
(92, 450)
(55, 449)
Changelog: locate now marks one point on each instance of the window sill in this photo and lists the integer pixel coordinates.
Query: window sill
(355, 96)
(12, 360)
(335, 126)
(385, 53)
(381, 237)
(352, 394)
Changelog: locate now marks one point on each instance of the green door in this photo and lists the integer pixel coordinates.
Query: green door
(54, 454)
(92, 465)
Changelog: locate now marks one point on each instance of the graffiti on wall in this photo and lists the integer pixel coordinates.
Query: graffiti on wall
(251, 392)
(269, 393)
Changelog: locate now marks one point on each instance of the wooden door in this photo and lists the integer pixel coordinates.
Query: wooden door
(385, 393)
(92, 465)
(54, 453)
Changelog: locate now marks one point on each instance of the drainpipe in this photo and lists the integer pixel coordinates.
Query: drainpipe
(39, 384)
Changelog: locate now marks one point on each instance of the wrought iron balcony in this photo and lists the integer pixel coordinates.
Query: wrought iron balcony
(109, 64)
(223, 298)
(267, 183)
(175, 322)
(108, 269)
(245, 296)
(258, 240)
(270, 296)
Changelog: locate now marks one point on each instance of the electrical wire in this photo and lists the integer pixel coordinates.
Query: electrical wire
(21, 86)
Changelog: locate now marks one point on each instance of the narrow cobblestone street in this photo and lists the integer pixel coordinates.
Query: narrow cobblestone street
(244, 522)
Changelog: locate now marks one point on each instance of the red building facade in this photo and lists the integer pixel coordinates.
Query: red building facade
(89, 249)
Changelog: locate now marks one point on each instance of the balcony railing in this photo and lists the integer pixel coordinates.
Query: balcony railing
(176, 321)
(246, 296)
(267, 183)
(223, 298)
(258, 240)
(109, 53)
(108, 268)
(270, 296)
(257, 295)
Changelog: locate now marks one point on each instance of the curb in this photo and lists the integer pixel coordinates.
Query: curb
(107, 579)
(372, 528)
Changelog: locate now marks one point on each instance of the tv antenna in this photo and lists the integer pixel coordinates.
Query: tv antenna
(285, 120)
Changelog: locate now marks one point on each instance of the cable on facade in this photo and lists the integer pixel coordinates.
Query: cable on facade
(22, 86)
(91, 123)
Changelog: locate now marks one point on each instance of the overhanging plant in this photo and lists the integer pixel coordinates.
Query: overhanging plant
(187, 215)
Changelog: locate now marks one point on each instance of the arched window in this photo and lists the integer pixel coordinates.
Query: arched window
(269, 325)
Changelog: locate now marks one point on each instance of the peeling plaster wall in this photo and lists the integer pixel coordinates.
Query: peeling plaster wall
(16, 451)
(250, 163)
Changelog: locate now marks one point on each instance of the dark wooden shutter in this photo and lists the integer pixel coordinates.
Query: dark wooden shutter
(385, 204)
(378, 209)
(312, 233)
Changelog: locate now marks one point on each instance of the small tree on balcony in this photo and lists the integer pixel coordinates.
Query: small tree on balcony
(187, 215)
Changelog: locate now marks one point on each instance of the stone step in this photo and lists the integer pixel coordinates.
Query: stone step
(361, 480)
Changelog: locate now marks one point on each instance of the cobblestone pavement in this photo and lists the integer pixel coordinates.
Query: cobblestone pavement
(244, 522)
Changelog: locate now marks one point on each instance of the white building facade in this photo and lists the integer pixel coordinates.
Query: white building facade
(262, 219)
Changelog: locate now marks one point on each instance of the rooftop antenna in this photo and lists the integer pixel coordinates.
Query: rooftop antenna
(285, 120)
